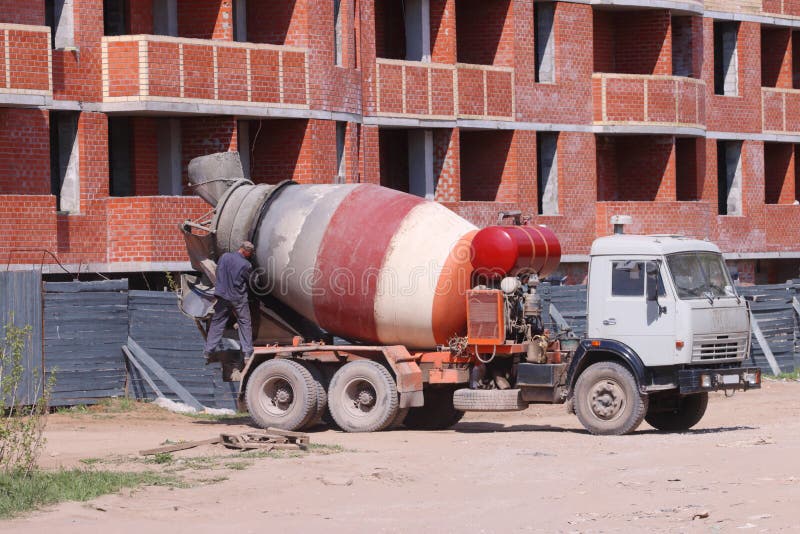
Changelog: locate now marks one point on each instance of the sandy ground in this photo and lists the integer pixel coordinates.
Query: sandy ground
(530, 471)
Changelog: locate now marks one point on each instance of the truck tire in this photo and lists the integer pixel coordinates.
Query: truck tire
(362, 397)
(438, 412)
(281, 394)
(489, 400)
(607, 400)
(690, 410)
(322, 394)
(399, 419)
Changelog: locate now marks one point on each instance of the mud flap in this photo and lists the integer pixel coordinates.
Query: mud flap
(407, 374)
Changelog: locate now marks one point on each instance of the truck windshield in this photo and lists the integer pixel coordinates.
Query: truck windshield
(700, 275)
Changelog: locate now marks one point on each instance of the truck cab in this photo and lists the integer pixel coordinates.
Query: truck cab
(662, 310)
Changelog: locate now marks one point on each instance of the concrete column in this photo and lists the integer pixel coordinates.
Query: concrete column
(243, 142)
(418, 30)
(170, 180)
(545, 42)
(165, 17)
(69, 192)
(341, 133)
(63, 24)
(420, 163)
(730, 177)
(547, 163)
(240, 20)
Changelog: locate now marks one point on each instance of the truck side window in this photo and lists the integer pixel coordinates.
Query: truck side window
(627, 278)
(662, 292)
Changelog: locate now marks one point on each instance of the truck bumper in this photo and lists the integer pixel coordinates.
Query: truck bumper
(699, 379)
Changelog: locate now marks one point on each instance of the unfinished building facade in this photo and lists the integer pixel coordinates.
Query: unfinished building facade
(683, 114)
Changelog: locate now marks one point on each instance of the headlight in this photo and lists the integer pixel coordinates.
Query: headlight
(752, 378)
(705, 381)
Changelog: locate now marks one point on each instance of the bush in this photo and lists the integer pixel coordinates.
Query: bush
(21, 426)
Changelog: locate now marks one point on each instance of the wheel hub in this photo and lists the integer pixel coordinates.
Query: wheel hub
(365, 398)
(282, 396)
(607, 399)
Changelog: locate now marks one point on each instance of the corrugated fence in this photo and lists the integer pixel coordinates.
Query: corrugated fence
(78, 329)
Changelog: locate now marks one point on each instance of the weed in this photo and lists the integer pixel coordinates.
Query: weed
(22, 493)
(237, 466)
(24, 399)
(91, 461)
(224, 417)
(117, 405)
(161, 458)
(72, 410)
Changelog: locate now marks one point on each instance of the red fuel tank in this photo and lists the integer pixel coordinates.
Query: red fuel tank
(499, 251)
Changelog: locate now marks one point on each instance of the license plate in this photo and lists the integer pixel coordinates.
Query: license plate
(730, 379)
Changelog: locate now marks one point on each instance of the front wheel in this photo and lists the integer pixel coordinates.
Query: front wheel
(687, 413)
(607, 400)
(281, 394)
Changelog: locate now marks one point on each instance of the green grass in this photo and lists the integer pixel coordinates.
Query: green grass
(788, 376)
(118, 405)
(20, 493)
(244, 416)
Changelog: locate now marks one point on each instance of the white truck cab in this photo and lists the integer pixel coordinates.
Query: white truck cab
(669, 298)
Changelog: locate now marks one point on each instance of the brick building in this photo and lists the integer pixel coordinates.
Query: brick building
(683, 114)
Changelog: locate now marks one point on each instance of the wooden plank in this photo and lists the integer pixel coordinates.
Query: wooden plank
(162, 374)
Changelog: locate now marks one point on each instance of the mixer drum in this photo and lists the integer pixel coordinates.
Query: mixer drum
(364, 262)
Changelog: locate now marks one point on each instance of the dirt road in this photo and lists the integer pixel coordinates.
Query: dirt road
(531, 471)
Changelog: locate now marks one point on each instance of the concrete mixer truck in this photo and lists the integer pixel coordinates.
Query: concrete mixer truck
(376, 308)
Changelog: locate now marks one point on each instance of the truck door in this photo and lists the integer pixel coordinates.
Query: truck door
(626, 315)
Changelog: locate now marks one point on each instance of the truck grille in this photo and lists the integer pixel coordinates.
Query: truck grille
(715, 347)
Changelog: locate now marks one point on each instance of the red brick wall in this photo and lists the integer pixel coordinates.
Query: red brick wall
(144, 155)
(776, 57)
(443, 31)
(27, 12)
(206, 19)
(486, 165)
(636, 168)
(140, 16)
(27, 225)
(446, 168)
(485, 32)
(24, 152)
(633, 42)
(278, 22)
(299, 150)
(206, 135)
(77, 74)
(779, 173)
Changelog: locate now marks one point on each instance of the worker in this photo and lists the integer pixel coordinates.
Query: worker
(233, 276)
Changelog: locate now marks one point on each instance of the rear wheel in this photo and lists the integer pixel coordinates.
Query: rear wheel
(281, 394)
(689, 410)
(322, 395)
(607, 400)
(362, 397)
(438, 412)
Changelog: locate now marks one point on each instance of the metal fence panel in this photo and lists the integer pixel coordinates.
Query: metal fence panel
(21, 305)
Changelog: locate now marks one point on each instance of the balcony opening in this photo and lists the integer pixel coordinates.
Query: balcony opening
(632, 42)
(58, 15)
(780, 173)
(729, 177)
(545, 42)
(403, 29)
(485, 32)
(688, 170)
(485, 164)
(165, 18)
(114, 17)
(406, 161)
(682, 46)
(547, 172)
(119, 157)
(796, 60)
(776, 63)
(65, 160)
(635, 168)
(145, 156)
(726, 58)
